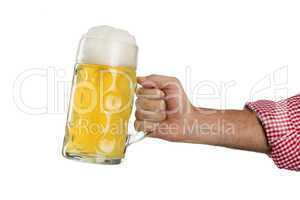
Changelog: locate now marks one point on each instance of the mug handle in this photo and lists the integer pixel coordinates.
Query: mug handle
(133, 138)
(138, 136)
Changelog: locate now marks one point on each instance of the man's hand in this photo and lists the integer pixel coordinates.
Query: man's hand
(162, 106)
(164, 111)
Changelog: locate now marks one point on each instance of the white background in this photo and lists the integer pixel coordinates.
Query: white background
(248, 42)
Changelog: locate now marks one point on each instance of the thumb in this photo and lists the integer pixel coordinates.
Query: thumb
(157, 81)
(146, 82)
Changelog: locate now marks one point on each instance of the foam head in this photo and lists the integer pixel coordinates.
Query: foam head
(105, 45)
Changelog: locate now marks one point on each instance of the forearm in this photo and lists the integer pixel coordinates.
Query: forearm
(265, 126)
(239, 129)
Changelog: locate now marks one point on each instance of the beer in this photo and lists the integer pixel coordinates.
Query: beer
(100, 110)
(102, 96)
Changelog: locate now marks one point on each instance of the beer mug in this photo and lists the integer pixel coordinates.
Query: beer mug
(102, 97)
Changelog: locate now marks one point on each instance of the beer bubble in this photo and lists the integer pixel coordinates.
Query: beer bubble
(113, 102)
(107, 146)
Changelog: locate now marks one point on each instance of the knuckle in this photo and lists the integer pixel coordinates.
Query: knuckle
(138, 104)
(153, 75)
(141, 115)
(143, 93)
(137, 101)
(141, 104)
(149, 104)
(137, 115)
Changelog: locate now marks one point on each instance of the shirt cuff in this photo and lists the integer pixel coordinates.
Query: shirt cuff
(281, 123)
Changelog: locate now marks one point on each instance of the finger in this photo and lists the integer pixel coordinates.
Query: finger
(145, 126)
(150, 93)
(154, 105)
(157, 81)
(150, 116)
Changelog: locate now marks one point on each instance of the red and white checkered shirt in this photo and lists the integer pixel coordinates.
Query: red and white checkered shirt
(281, 122)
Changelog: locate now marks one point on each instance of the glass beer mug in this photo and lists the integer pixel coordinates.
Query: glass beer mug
(102, 96)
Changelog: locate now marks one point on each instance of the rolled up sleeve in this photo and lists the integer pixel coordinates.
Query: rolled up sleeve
(281, 123)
